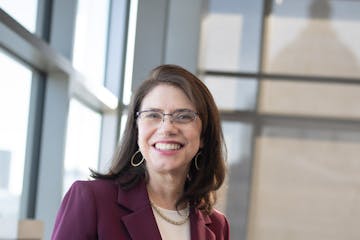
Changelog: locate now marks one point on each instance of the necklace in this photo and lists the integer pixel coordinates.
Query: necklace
(163, 216)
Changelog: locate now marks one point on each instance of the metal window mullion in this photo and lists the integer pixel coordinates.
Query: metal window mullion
(33, 146)
(56, 108)
(114, 77)
(316, 122)
(256, 125)
(285, 77)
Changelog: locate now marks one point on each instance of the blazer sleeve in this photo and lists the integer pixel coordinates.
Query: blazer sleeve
(77, 215)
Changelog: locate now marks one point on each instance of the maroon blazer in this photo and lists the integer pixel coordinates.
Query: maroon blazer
(100, 209)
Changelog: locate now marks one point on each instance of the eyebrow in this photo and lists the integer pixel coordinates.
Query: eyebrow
(176, 110)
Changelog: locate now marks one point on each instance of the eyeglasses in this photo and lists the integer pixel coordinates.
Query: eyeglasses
(179, 116)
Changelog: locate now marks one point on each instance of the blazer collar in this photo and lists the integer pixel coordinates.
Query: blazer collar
(141, 223)
(135, 198)
(199, 225)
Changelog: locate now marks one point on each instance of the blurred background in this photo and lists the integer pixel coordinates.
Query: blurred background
(285, 75)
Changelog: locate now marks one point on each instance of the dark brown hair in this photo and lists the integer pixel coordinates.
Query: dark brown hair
(202, 184)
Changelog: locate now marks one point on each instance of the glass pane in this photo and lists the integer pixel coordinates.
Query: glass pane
(232, 93)
(124, 118)
(233, 198)
(130, 51)
(230, 36)
(306, 185)
(25, 12)
(82, 143)
(15, 88)
(90, 43)
(311, 99)
(314, 37)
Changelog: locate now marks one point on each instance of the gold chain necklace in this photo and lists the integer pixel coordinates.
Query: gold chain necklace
(163, 216)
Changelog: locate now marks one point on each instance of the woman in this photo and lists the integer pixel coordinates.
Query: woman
(164, 175)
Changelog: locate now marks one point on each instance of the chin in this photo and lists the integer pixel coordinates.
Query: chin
(169, 169)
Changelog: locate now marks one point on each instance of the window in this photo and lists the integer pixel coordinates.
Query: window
(82, 144)
(24, 12)
(286, 79)
(90, 44)
(233, 93)
(89, 57)
(230, 36)
(15, 88)
(314, 37)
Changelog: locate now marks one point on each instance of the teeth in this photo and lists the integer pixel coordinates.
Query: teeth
(167, 146)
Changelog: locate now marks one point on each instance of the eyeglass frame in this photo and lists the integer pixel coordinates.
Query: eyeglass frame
(171, 118)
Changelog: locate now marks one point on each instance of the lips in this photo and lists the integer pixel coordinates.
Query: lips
(167, 146)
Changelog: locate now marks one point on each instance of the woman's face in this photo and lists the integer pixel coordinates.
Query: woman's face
(168, 147)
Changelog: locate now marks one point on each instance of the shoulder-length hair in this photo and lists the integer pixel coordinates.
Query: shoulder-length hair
(204, 178)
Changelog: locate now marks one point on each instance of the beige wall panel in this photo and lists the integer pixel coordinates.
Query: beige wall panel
(305, 189)
(314, 99)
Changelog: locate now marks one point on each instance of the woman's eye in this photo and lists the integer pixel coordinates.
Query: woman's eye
(153, 116)
(184, 116)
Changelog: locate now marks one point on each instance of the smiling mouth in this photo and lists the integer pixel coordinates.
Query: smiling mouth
(167, 146)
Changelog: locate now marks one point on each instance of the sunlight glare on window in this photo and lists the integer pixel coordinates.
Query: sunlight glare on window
(22, 11)
(82, 143)
(90, 43)
(15, 87)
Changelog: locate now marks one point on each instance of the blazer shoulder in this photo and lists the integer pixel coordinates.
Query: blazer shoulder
(219, 224)
(90, 210)
(95, 185)
(217, 216)
(100, 191)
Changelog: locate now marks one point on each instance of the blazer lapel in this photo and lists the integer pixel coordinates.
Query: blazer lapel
(198, 226)
(140, 223)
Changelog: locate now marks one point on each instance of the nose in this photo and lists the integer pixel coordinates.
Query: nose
(166, 127)
(169, 117)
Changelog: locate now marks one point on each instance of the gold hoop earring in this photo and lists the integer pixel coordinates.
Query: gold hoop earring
(133, 157)
(196, 161)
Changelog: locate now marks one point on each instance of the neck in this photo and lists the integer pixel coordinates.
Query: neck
(165, 191)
